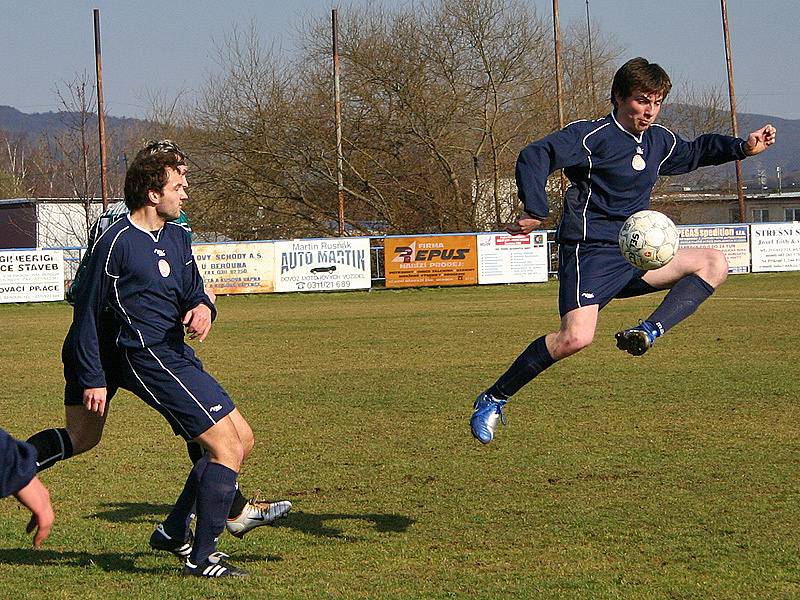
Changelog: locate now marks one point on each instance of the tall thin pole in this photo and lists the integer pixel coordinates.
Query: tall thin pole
(101, 117)
(732, 96)
(338, 105)
(591, 58)
(559, 79)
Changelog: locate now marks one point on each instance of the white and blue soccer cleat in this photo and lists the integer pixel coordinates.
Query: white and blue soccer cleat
(637, 340)
(484, 419)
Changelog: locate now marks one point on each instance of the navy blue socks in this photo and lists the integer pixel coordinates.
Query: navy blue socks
(51, 446)
(214, 496)
(533, 360)
(177, 522)
(680, 302)
(196, 452)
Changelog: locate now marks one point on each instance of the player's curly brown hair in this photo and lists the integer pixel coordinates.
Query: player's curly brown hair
(148, 172)
(640, 75)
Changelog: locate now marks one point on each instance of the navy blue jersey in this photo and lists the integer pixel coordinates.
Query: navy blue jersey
(113, 213)
(17, 464)
(611, 172)
(148, 280)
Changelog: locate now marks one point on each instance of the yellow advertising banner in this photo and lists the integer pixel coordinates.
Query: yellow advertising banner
(243, 268)
(430, 260)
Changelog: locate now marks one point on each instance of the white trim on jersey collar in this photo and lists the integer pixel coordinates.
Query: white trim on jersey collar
(142, 229)
(641, 135)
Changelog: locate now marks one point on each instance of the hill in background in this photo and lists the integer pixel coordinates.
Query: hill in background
(785, 154)
(34, 125)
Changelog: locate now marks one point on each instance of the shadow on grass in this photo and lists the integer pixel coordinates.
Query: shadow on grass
(316, 524)
(109, 561)
(131, 512)
(309, 523)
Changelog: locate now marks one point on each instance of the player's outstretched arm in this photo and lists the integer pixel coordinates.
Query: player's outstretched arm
(524, 224)
(760, 140)
(36, 498)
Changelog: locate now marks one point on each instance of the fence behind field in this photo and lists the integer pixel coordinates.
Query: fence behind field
(330, 264)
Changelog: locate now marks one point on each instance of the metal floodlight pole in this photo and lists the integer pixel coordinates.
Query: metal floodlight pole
(338, 112)
(559, 79)
(732, 96)
(101, 117)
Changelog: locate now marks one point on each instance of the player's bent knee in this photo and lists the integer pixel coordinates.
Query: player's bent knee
(570, 342)
(223, 444)
(244, 431)
(246, 437)
(716, 270)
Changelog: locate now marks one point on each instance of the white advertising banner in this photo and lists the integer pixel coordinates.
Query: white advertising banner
(732, 240)
(775, 246)
(504, 258)
(242, 268)
(31, 276)
(334, 264)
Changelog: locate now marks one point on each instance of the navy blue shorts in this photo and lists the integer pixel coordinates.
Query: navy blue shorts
(171, 379)
(596, 274)
(168, 377)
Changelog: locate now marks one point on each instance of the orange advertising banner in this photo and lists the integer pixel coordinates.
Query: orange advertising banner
(430, 260)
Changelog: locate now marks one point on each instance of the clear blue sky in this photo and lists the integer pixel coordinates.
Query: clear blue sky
(48, 41)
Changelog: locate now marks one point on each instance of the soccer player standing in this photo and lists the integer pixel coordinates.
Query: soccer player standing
(612, 165)
(143, 271)
(84, 429)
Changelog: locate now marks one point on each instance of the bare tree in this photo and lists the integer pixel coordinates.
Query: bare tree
(14, 164)
(438, 98)
(66, 164)
(691, 111)
(77, 152)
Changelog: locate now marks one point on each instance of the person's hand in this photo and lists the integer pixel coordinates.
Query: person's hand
(524, 224)
(760, 140)
(211, 295)
(198, 322)
(36, 498)
(94, 399)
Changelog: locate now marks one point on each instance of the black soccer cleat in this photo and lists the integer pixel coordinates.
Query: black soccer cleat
(180, 548)
(637, 340)
(214, 566)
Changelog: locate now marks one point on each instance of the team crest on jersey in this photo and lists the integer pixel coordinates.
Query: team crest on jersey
(638, 163)
(163, 268)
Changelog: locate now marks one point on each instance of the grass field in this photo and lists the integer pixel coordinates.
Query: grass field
(671, 475)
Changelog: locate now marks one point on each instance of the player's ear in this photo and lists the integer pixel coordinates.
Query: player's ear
(153, 196)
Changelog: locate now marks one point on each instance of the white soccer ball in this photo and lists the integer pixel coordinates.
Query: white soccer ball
(648, 239)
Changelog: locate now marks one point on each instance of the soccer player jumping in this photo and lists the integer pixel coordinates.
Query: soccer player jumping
(612, 165)
(143, 271)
